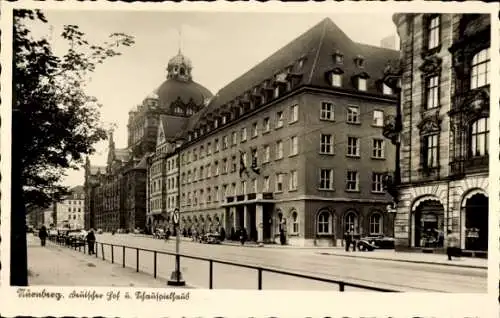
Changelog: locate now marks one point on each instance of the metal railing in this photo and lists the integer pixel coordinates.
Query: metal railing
(260, 270)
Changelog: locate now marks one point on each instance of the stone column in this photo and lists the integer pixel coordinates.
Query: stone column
(246, 219)
(259, 219)
(235, 217)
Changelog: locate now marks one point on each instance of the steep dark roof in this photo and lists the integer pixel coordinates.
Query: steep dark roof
(77, 190)
(317, 47)
(172, 90)
(173, 126)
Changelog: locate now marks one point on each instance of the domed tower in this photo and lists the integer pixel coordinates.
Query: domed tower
(179, 95)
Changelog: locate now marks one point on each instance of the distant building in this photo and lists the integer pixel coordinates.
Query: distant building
(69, 213)
(446, 74)
(116, 194)
(390, 42)
(293, 147)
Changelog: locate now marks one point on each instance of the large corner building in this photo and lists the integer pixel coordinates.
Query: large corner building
(293, 146)
(444, 142)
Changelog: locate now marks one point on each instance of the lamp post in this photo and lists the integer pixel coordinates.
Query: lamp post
(176, 276)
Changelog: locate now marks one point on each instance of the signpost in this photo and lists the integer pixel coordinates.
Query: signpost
(176, 276)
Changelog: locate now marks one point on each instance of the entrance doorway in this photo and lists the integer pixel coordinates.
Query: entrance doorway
(428, 224)
(476, 223)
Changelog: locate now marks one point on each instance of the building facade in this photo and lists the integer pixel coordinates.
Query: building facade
(444, 140)
(116, 193)
(69, 212)
(292, 147)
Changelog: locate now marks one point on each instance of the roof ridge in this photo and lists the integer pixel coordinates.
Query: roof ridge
(320, 44)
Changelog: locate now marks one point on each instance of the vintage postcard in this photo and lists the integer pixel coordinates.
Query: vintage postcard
(242, 160)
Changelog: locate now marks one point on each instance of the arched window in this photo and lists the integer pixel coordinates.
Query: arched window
(351, 221)
(376, 223)
(479, 133)
(480, 69)
(324, 223)
(295, 222)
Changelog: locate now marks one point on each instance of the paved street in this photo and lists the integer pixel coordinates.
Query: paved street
(402, 276)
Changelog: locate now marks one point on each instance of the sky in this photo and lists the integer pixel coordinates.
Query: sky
(221, 46)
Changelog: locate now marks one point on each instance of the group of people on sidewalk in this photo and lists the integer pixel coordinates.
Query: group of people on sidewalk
(90, 238)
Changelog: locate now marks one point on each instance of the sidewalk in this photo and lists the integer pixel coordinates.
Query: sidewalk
(408, 257)
(57, 265)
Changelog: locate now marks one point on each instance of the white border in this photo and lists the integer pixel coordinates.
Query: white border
(278, 303)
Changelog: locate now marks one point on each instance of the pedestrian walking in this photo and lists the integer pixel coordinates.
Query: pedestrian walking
(353, 239)
(243, 236)
(91, 241)
(347, 240)
(42, 234)
(453, 250)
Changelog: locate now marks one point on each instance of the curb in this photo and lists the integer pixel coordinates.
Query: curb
(406, 261)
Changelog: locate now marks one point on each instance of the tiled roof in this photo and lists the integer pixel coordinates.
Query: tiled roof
(317, 47)
(77, 189)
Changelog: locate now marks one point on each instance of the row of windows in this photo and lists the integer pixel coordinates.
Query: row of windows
(337, 80)
(279, 123)
(479, 77)
(327, 146)
(478, 136)
(325, 223)
(156, 204)
(79, 202)
(157, 185)
(327, 112)
(326, 182)
(74, 210)
(170, 166)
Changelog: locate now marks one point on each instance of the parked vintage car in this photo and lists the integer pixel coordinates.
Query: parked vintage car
(159, 234)
(380, 241)
(75, 237)
(211, 238)
(365, 246)
(99, 231)
(52, 233)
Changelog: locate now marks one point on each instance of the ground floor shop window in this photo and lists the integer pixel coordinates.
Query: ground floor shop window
(476, 222)
(428, 227)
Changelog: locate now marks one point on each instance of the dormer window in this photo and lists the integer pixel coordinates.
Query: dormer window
(276, 92)
(359, 61)
(361, 84)
(386, 90)
(189, 111)
(338, 57)
(224, 119)
(190, 137)
(336, 80)
(301, 63)
(196, 134)
(216, 123)
(183, 71)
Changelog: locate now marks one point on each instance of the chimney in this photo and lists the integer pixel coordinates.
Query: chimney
(390, 42)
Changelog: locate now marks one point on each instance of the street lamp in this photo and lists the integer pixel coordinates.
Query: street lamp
(176, 276)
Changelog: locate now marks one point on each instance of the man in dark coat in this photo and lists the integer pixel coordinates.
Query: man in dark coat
(43, 235)
(91, 241)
